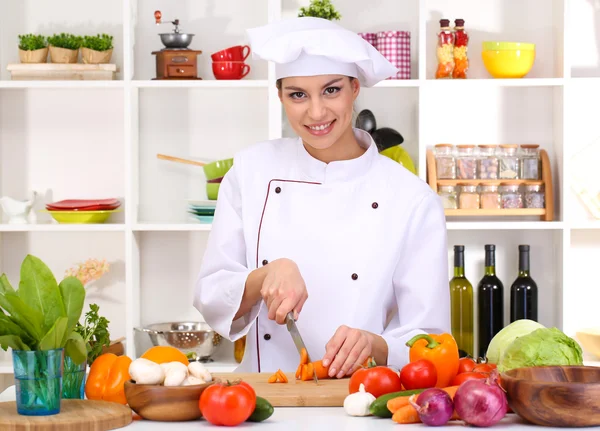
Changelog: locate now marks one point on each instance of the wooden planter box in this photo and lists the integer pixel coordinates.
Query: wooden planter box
(62, 72)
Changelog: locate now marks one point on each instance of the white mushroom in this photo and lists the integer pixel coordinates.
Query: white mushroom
(146, 372)
(191, 380)
(175, 376)
(199, 371)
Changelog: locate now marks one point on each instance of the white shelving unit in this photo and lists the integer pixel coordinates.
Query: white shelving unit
(69, 139)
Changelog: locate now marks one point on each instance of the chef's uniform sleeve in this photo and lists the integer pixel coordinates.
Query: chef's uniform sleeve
(420, 281)
(224, 270)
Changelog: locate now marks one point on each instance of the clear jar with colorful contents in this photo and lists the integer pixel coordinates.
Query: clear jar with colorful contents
(490, 197)
(487, 163)
(445, 51)
(534, 195)
(468, 199)
(511, 196)
(445, 162)
(508, 162)
(449, 197)
(530, 162)
(466, 162)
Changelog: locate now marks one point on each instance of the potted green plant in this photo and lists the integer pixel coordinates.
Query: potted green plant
(33, 48)
(38, 323)
(64, 47)
(320, 9)
(97, 49)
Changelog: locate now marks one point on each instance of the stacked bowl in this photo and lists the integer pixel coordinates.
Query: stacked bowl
(214, 173)
(202, 211)
(82, 210)
(229, 63)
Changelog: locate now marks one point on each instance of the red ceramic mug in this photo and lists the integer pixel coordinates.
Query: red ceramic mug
(230, 69)
(235, 53)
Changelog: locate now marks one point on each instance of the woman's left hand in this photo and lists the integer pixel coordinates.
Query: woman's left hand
(347, 350)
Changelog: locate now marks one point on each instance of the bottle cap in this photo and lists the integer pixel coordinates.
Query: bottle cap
(490, 247)
(459, 248)
(444, 22)
(459, 22)
(523, 248)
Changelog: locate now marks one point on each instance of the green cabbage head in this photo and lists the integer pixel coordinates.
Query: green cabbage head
(507, 335)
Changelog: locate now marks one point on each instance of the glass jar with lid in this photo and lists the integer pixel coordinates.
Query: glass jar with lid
(487, 163)
(534, 195)
(468, 199)
(508, 161)
(466, 162)
(511, 196)
(490, 197)
(449, 197)
(530, 162)
(445, 163)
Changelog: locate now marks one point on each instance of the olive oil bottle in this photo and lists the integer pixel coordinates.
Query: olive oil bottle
(524, 291)
(490, 302)
(461, 303)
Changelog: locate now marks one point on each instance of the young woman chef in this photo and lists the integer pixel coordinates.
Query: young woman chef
(323, 225)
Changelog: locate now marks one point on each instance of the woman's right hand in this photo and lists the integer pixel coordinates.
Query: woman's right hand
(283, 290)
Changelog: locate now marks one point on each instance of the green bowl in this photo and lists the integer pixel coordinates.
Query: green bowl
(81, 216)
(217, 169)
(212, 191)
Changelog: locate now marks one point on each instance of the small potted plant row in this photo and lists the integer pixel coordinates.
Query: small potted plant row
(65, 47)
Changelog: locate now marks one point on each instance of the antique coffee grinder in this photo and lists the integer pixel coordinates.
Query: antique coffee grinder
(175, 60)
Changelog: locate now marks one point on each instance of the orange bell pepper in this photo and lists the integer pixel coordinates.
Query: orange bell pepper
(107, 377)
(442, 350)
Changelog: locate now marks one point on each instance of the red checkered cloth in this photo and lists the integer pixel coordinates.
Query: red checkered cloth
(369, 37)
(395, 46)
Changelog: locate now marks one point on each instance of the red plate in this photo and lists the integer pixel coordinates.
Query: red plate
(90, 208)
(71, 204)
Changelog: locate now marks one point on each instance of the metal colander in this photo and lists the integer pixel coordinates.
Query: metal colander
(188, 337)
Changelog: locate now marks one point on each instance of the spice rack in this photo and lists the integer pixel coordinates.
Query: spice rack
(545, 214)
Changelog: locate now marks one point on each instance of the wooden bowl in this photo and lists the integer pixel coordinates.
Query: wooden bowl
(556, 396)
(165, 403)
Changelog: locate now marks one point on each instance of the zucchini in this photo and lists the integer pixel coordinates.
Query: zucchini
(262, 411)
(379, 406)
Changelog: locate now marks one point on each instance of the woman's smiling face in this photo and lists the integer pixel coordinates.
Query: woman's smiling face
(319, 108)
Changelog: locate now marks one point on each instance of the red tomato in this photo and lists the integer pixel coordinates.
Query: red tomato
(483, 368)
(379, 380)
(420, 374)
(466, 365)
(227, 404)
(463, 377)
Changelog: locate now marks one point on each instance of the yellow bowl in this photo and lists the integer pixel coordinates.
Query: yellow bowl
(81, 216)
(508, 59)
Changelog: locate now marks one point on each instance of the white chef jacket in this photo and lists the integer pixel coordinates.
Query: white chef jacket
(368, 236)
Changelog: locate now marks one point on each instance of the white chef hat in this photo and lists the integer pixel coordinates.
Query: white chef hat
(309, 46)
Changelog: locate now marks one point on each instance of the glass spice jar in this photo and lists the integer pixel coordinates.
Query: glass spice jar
(487, 163)
(449, 197)
(445, 48)
(508, 162)
(490, 197)
(445, 164)
(534, 195)
(468, 199)
(511, 196)
(466, 162)
(461, 42)
(530, 162)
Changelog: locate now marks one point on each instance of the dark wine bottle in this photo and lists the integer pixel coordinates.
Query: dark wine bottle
(461, 305)
(490, 300)
(524, 291)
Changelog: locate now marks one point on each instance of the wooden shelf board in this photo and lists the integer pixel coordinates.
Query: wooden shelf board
(501, 212)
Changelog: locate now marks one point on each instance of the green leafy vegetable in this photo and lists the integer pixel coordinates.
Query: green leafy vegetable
(65, 40)
(542, 347)
(31, 42)
(320, 9)
(101, 42)
(94, 332)
(507, 335)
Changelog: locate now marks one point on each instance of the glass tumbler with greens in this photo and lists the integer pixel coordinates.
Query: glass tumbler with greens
(73, 386)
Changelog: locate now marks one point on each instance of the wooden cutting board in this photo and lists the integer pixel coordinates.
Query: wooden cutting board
(75, 415)
(295, 393)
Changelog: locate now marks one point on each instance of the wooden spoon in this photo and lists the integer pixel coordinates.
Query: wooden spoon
(180, 160)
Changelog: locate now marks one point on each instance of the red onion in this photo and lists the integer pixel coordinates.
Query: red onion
(434, 407)
(481, 402)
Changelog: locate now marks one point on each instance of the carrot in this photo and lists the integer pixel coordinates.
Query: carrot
(273, 378)
(299, 372)
(304, 357)
(397, 403)
(281, 376)
(321, 370)
(406, 415)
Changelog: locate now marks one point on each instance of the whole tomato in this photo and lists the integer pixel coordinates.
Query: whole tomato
(483, 368)
(420, 374)
(227, 404)
(466, 365)
(378, 380)
(463, 377)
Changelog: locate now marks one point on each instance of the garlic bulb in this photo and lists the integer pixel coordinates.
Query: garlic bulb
(358, 403)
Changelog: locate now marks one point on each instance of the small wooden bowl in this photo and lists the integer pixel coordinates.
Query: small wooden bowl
(555, 396)
(165, 403)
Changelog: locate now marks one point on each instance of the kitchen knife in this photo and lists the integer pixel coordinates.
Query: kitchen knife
(293, 329)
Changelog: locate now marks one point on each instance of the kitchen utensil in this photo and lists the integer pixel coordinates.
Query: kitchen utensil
(81, 216)
(589, 340)
(175, 39)
(234, 53)
(230, 69)
(366, 121)
(165, 403)
(300, 346)
(555, 396)
(386, 138)
(180, 160)
(188, 337)
(177, 64)
(508, 59)
(75, 415)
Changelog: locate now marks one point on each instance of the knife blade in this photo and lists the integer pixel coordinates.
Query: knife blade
(293, 330)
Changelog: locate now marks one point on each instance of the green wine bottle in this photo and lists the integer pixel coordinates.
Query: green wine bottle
(490, 304)
(461, 303)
